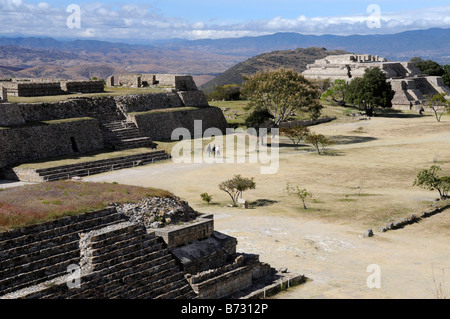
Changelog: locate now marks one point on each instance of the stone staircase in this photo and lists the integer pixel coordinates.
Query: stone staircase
(35, 254)
(123, 134)
(122, 261)
(96, 167)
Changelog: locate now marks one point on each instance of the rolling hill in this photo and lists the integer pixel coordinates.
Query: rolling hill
(291, 59)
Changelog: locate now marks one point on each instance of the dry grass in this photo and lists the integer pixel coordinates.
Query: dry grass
(36, 203)
(84, 158)
(381, 157)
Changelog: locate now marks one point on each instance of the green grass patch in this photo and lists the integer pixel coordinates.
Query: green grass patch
(33, 204)
(168, 110)
(52, 122)
(109, 92)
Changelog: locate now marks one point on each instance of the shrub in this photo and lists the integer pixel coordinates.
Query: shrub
(206, 197)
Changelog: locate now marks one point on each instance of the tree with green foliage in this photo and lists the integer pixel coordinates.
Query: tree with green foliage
(428, 67)
(429, 179)
(296, 133)
(319, 142)
(230, 92)
(282, 92)
(322, 84)
(438, 104)
(301, 193)
(236, 186)
(337, 92)
(370, 91)
(446, 75)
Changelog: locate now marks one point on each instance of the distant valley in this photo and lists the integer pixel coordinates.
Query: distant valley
(205, 59)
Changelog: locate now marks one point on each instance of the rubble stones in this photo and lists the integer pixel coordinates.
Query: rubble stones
(157, 212)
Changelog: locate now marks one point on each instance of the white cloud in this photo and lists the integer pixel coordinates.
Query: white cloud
(131, 21)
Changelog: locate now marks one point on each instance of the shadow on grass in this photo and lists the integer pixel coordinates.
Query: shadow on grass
(391, 113)
(345, 140)
(262, 203)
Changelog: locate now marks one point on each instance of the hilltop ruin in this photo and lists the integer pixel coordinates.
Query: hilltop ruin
(410, 86)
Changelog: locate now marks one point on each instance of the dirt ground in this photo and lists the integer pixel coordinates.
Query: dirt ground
(325, 242)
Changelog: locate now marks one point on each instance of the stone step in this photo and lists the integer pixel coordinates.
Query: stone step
(112, 251)
(38, 254)
(90, 284)
(145, 285)
(156, 251)
(107, 236)
(51, 243)
(111, 279)
(46, 235)
(102, 169)
(179, 290)
(35, 277)
(106, 162)
(163, 285)
(37, 264)
(12, 234)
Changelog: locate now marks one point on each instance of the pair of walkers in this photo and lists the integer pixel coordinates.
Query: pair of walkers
(215, 150)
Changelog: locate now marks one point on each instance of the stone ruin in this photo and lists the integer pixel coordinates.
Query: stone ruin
(41, 131)
(108, 254)
(138, 80)
(3, 95)
(410, 86)
(46, 87)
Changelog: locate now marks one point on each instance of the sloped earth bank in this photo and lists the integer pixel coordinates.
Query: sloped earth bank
(325, 242)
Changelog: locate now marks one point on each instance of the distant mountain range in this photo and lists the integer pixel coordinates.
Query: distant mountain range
(429, 44)
(47, 57)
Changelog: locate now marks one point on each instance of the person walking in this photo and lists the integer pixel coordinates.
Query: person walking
(214, 151)
(218, 150)
(209, 150)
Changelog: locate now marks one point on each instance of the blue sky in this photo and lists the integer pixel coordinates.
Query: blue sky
(164, 19)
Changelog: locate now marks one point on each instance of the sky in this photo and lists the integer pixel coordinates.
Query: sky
(142, 21)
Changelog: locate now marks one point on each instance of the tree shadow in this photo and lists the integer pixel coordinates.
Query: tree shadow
(345, 140)
(262, 203)
(329, 152)
(392, 113)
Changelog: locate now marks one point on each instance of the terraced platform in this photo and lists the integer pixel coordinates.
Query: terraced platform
(29, 173)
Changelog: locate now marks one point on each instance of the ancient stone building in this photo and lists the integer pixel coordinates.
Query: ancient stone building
(137, 80)
(37, 131)
(410, 86)
(108, 254)
(45, 87)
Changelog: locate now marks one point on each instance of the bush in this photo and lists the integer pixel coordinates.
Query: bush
(206, 197)
(231, 92)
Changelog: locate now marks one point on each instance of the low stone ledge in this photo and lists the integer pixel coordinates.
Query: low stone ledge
(285, 281)
(180, 235)
(413, 219)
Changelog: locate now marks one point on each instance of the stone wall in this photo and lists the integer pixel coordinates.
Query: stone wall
(33, 89)
(153, 116)
(147, 102)
(137, 80)
(159, 125)
(44, 87)
(176, 236)
(3, 95)
(47, 140)
(83, 86)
